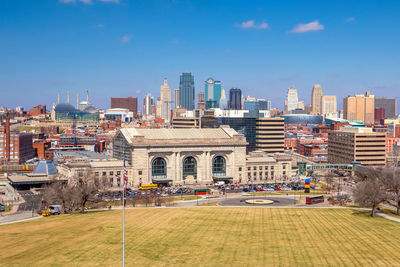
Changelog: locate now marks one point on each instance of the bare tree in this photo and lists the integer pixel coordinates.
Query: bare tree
(84, 188)
(329, 179)
(57, 192)
(369, 192)
(391, 181)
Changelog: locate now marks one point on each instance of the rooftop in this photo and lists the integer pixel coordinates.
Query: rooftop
(169, 134)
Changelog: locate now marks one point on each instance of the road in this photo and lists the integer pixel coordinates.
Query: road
(32, 201)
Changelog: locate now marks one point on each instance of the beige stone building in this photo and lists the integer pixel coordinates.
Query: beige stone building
(181, 156)
(357, 144)
(316, 100)
(328, 104)
(359, 107)
(109, 169)
(261, 167)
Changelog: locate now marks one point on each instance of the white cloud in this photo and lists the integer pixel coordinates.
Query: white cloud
(126, 38)
(100, 25)
(175, 41)
(308, 27)
(253, 25)
(138, 92)
(110, 1)
(351, 19)
(87, 2)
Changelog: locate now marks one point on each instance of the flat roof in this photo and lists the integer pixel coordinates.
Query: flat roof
(171, 133)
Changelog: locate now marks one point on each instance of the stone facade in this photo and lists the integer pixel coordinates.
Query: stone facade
(261, 167)
(216, 154)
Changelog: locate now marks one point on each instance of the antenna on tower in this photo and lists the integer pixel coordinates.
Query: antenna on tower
(58, 97)
(68, 97)
(87, 97)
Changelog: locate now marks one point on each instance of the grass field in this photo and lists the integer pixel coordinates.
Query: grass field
(205, 236)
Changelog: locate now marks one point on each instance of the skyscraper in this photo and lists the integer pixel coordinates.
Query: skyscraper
(223, 102)
(359, 107)
(212, 90)
(389, 104)
(165, 98)
(235, 99)
(148, 102)
(316, 99)
(292, 99)
(328, 104)
(176, 99)
(186, 91)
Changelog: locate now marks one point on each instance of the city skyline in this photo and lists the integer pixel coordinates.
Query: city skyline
(105, 46)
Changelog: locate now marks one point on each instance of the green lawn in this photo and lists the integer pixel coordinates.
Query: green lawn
(211, 236)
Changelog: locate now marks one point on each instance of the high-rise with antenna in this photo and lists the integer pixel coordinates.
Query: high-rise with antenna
(77, 100)
(87, 97)
(68, 97)
(58, 97)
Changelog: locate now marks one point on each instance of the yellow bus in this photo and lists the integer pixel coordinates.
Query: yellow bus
(148, 186)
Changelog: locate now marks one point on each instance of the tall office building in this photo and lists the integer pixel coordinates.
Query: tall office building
(328, 104)
(125, 102)
(235, 99)
(201, 100)
(253, 104)
(389, 104)
(165, 97)
(186, 91)
(357, 144)
(158, 108)
(148, 102)
(176, 98)
(292, 99)
(223, 102)
(359, 107)
(270, 134)
(316, 99)
(212, 90)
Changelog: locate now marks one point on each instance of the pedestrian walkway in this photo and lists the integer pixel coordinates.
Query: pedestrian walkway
(388, 217)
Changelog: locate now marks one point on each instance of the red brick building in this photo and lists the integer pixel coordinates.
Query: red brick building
(37, 110)
(18, 150)
(42, 149)
(379, 114)
(130, 103)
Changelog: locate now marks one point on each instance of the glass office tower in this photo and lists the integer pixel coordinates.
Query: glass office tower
(186, 91)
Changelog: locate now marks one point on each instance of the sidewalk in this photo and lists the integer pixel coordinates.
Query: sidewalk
(388, 217)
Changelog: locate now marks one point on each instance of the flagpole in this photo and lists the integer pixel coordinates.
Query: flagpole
(123, 216)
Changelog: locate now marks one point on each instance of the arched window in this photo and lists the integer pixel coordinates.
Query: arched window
(219, 166)
(159, 167)
(189, 167)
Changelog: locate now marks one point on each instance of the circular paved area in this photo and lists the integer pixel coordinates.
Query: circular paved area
(242, 201)
(259, 201)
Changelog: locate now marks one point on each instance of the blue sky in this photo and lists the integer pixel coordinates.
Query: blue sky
(126, 48)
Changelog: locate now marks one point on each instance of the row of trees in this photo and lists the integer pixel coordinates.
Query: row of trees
(74, 194)
(377, 186)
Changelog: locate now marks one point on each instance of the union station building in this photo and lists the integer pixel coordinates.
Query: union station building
(181, 156)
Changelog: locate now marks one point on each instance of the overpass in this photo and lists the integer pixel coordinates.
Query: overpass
(307, 167)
